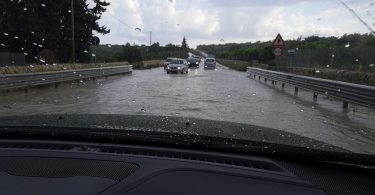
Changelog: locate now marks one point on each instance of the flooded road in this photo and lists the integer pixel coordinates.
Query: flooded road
(221, 94)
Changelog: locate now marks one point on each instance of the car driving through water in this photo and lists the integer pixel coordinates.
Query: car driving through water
(167, 62)
(210, 63)
(193, 62)
(178, 66)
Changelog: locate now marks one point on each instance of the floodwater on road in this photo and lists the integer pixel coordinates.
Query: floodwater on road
(221, 94)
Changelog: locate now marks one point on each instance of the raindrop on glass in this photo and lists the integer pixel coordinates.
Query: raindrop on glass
(2, 44)
(347, 45)
(6, 34)
(43, 5)
(41, 60)
(31, 66)
(43, 79)
(371, 65)
(81, 81)
(25, 9)
(109, 45)
(69, 11)
(356, 60)
(85, 51)
(93, 55)
(16, 37)
(74, 72)
(40, 46)
(327, 66)
(25, 54)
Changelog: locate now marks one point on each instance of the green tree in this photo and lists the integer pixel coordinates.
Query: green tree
(45, 25)
(184, 45)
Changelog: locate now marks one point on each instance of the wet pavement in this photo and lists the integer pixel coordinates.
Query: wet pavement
(222, 94)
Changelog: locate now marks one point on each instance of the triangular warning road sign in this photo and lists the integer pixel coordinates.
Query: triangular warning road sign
(278, 42)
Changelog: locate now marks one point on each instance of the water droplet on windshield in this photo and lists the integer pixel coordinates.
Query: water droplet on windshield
(347, 45)
(41, 60)
(16, 37)
(25, 54)
(85, 51)
(81, 81)
(356, 60)
(25, 9)
(109, 45)
(327, 66)
(93, 55)
(54, 64)
(35, 44)
(301, 110)
(31, 66)
(371, 65)
(69, 11)
(74, 72)
(339, 90)
(6, 34)
(40, 46)
(43, 79)
(2, 44)
(317, 71)
(254, 94)
(43, 5)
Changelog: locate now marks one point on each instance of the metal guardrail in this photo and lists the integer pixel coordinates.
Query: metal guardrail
(348, 92)
(24, 80)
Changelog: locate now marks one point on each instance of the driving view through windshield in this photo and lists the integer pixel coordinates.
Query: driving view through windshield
(302, 68)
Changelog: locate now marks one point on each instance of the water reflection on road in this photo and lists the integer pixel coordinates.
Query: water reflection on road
(220, 94)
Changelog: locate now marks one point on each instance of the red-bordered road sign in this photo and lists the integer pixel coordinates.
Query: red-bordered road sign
(278, 42)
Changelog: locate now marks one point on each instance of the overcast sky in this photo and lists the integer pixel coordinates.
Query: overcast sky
(224, 21)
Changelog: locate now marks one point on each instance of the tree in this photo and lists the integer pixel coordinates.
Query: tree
(46, 25)
(184, 44)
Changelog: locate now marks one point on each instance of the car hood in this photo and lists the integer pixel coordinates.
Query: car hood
(184, 132)
(175, 65)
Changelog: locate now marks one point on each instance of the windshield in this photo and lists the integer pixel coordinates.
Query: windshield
(302, 67)
(177, 61)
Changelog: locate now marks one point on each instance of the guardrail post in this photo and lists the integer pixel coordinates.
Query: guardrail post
(345, 105)
(295, 90)
(283, 85)
(315, 96)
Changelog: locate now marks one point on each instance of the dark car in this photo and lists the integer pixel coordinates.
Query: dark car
(193, 62)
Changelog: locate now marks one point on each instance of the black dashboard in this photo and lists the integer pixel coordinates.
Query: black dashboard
(56, 167)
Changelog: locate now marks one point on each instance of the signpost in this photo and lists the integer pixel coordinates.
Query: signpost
(277, 46)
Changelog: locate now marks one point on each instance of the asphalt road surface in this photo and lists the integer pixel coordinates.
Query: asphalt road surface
(221, 94)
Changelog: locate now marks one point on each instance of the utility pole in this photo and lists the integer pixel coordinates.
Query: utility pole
(150, 38)
(73, 39)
